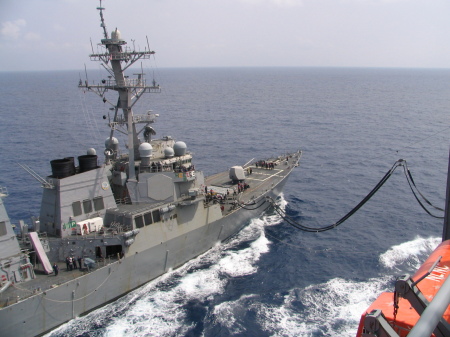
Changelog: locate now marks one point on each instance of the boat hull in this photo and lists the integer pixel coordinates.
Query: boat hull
(46, 310)
(431, 276)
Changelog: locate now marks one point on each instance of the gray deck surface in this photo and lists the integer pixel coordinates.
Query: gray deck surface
(259, 182)
(42, 282)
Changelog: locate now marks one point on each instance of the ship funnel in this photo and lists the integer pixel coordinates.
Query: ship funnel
(87, 162)
(72, 165)
(62, 168)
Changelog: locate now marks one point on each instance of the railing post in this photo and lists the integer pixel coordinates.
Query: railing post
(431, 316)
(73, 304)
(446, 231)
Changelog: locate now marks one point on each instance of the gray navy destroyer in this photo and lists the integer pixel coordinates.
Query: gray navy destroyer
(107, 228)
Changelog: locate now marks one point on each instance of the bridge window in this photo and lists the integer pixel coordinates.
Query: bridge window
(2, 228)
(139, 221)
(98, 203)
(76, 208)
(156, 215)
(148, 218)
(87, 206)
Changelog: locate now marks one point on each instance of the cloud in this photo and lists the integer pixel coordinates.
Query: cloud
(11, 29)
(32, 36)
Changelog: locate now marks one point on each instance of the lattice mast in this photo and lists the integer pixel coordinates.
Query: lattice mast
(116, 59)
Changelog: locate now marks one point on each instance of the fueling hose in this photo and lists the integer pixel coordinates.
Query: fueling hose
(411, 183)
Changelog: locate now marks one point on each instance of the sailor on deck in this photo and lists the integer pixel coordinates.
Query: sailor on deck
(55, 269)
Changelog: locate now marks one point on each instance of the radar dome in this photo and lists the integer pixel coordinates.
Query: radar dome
(112, 143)
(180, 148)
(168, 152)
(145, 150)
(91, 152)
(115, 35)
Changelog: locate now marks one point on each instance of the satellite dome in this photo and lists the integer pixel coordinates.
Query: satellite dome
(115, 35)
(180, 148)
(91, 152)
(168, 152)
(145, 150)
(112, 143)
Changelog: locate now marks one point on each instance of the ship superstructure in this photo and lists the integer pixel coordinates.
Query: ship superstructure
(107, 228)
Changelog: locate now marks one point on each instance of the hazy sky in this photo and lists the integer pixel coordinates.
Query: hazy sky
(55, 34)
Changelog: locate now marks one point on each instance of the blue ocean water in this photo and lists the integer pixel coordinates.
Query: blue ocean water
(270, 279)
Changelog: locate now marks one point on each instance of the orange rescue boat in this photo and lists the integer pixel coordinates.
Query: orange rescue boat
(397, 313)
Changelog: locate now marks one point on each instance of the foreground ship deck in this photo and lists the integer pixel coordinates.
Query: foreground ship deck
(419, 305)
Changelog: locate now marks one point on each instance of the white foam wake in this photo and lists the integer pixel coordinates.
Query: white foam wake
(409, 255)
(158, 309)
(333, 308)
(328, 309)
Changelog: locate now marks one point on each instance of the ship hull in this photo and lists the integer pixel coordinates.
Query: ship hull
(47, 310)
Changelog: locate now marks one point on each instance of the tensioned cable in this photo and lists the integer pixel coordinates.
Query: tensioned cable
(423, 139)
(245, 206)
(411, 184)
(398, 163)
(426, 200)
(292, 222)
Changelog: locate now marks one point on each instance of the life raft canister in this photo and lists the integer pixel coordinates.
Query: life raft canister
(407, 316)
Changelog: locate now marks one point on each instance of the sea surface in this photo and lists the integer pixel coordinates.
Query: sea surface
(270, 279)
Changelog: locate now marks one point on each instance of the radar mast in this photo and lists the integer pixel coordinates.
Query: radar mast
(117, 58)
